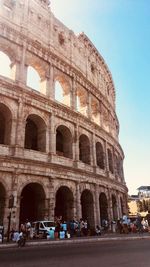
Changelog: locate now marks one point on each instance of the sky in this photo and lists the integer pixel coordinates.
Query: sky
(120, 30)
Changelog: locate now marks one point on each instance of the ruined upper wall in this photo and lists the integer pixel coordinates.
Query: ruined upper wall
(34, 19)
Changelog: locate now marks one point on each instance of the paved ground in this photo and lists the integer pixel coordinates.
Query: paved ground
(89, 239)
(120, 253)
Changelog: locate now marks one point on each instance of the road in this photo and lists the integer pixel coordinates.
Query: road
(124, 253)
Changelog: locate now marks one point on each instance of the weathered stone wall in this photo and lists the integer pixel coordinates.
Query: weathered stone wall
(30, 35)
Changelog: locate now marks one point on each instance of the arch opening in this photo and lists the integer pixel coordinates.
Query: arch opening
(5, 125)
(64, 203)
(35, 133)
(62, 91)
(84, 149)
(32, 205)
(64, 142)
(88, 207)
(95, 110)
(100, 155)
(103, 204)
(5, 66)
(110, 161)
(81, 99)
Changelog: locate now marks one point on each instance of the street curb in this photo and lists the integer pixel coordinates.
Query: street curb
(75, 241)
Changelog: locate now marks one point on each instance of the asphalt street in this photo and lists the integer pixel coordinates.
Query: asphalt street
(122, 253)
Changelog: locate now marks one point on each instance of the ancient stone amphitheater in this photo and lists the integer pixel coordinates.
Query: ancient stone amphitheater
(59, 148)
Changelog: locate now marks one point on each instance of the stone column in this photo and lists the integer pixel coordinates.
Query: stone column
(110, 212)
(78, 202)
(52, 142)
(51, 205)
(20, 129)
(89, 111)
(97, 208)
(21, 68)
(50, 90)
(74, 97)
(93, 150)
(106, 159)
(76, 146)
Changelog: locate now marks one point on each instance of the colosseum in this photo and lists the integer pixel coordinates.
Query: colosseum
(59, 147)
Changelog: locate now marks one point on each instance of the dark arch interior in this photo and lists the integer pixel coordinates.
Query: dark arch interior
(2, 202)
(64, 203)
(31, 135)
(59, 143)
(35, 133)
(103, 207)
(5, 124)
(64, 142)
(110, 160)
(87, 207)
(114, 207)
(84, 149)
(99, 155)
(32, 204)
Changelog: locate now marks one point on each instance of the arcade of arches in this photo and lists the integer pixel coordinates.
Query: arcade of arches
(34, 205)
(59, 148)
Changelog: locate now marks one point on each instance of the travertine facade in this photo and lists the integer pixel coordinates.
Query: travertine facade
(56, 157)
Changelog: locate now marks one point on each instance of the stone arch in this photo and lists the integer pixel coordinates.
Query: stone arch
(110, 161)
(87, 205)
(5, 124)
(64, 141)
(103, 205)
(114, 208)
(84, 149)
(100, 155)
(36, 69)
(82, 100)
(7, 68)
(64, 203)
(95, 110)
(32, 202)
(35, 133)
(62, 90)
(2, 202)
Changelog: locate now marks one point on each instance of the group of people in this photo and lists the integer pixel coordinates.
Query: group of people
(126, 225)
(69, 229)
(23, 233)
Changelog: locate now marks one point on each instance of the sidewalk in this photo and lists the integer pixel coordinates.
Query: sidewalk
(89, 239)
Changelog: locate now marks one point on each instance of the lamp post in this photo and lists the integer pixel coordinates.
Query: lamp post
(10, 206)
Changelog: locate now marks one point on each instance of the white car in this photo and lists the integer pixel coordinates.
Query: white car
(41, 228)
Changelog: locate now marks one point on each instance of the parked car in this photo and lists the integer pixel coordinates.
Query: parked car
(41, 228)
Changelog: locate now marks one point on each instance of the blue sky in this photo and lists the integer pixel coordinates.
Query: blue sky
(120, 30)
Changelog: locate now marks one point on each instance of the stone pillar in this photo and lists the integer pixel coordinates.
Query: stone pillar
(74, 96)
(48, 131)
(50, 90)
(97, 208)
(52, 142)
(21, 68)
(20, 129)
(76, 146)
(89, 106)
(106, 159)
(47, 210)
(13, 132)
(119, 206)
(78, 202)
(110, 212)
(93, 150)
(51, 200)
